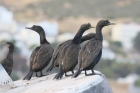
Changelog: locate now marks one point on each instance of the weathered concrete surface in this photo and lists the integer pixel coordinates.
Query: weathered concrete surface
(81, 84)
(102, 87)
(5, 80)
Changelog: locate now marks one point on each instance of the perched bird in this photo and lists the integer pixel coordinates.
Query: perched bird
(91, 52)
(68, 56)
(7, 63)
(41, 55)
(55, 61)
(87, 37)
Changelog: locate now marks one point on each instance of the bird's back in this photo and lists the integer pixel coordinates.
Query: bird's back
(41, 56)
(89, 52)
(69, 55)
(55, 59)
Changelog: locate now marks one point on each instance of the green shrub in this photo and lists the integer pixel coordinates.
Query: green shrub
(137, 82)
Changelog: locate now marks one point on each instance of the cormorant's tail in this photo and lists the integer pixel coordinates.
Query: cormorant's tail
(50, 68)
(25, 77)
(28, 76)
(77, 73)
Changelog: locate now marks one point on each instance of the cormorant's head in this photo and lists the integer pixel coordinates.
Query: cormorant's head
(86, 26)
(36, 28)
(103, 23)
(10, 45)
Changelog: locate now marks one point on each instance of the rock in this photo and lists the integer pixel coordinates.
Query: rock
(46, 84)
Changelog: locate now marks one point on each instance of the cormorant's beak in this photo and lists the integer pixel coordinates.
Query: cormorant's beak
(3, 43)
(92, 27)
(28, 27)
(6, 44)
(111, 23)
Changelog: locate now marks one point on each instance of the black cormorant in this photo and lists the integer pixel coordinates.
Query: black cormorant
(68, 56)
(41, 55)
(7, 63)
(55, 62)
(91, 52)
(87, 37)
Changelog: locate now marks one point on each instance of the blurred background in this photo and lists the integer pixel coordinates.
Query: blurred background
(61, 20)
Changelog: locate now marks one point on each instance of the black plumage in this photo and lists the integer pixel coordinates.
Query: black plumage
(68, 56)
(7, 63)
(87, 37)
(41, 55)
(55, 58)
(91, 52)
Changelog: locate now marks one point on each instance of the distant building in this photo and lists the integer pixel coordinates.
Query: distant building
(125, 33)
(5, 36)
(51, 29)
(7, 23)
(32, 38)
(65, 36)
(108, 54)
(130, 79)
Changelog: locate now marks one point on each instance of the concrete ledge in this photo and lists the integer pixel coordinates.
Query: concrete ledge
(81, 84)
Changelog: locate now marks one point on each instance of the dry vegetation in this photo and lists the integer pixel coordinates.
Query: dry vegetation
(118, 88)
(70, 14)
(61, 9)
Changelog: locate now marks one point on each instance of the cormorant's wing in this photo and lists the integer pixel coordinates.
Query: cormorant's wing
(70, 57)
(43, 56)
(87, 37)
(4, 77)
(80, 55)
(33, 55)
(58, 50)
(90, 52)
(63, 51)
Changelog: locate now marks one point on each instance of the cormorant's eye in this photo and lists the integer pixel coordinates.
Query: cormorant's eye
(105, 22)
(34, 27)
(88, 25)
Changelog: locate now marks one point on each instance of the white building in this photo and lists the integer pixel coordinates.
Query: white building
(65, 36)
(32, 38)
(7, 23)
(125, 33)
(108, 54)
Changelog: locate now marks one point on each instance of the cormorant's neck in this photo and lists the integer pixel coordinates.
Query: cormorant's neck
(78, 36)
(43, 38)
(99, 35)
(87, 37)
(10, 54)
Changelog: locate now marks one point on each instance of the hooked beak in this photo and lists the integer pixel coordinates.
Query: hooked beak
(28, 28)
(112, 24)
(92, 27)
(3, 44)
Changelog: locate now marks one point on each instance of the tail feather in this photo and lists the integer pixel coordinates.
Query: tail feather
(77, 73)
(50, 68)
(25, 77)
(28, 76)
